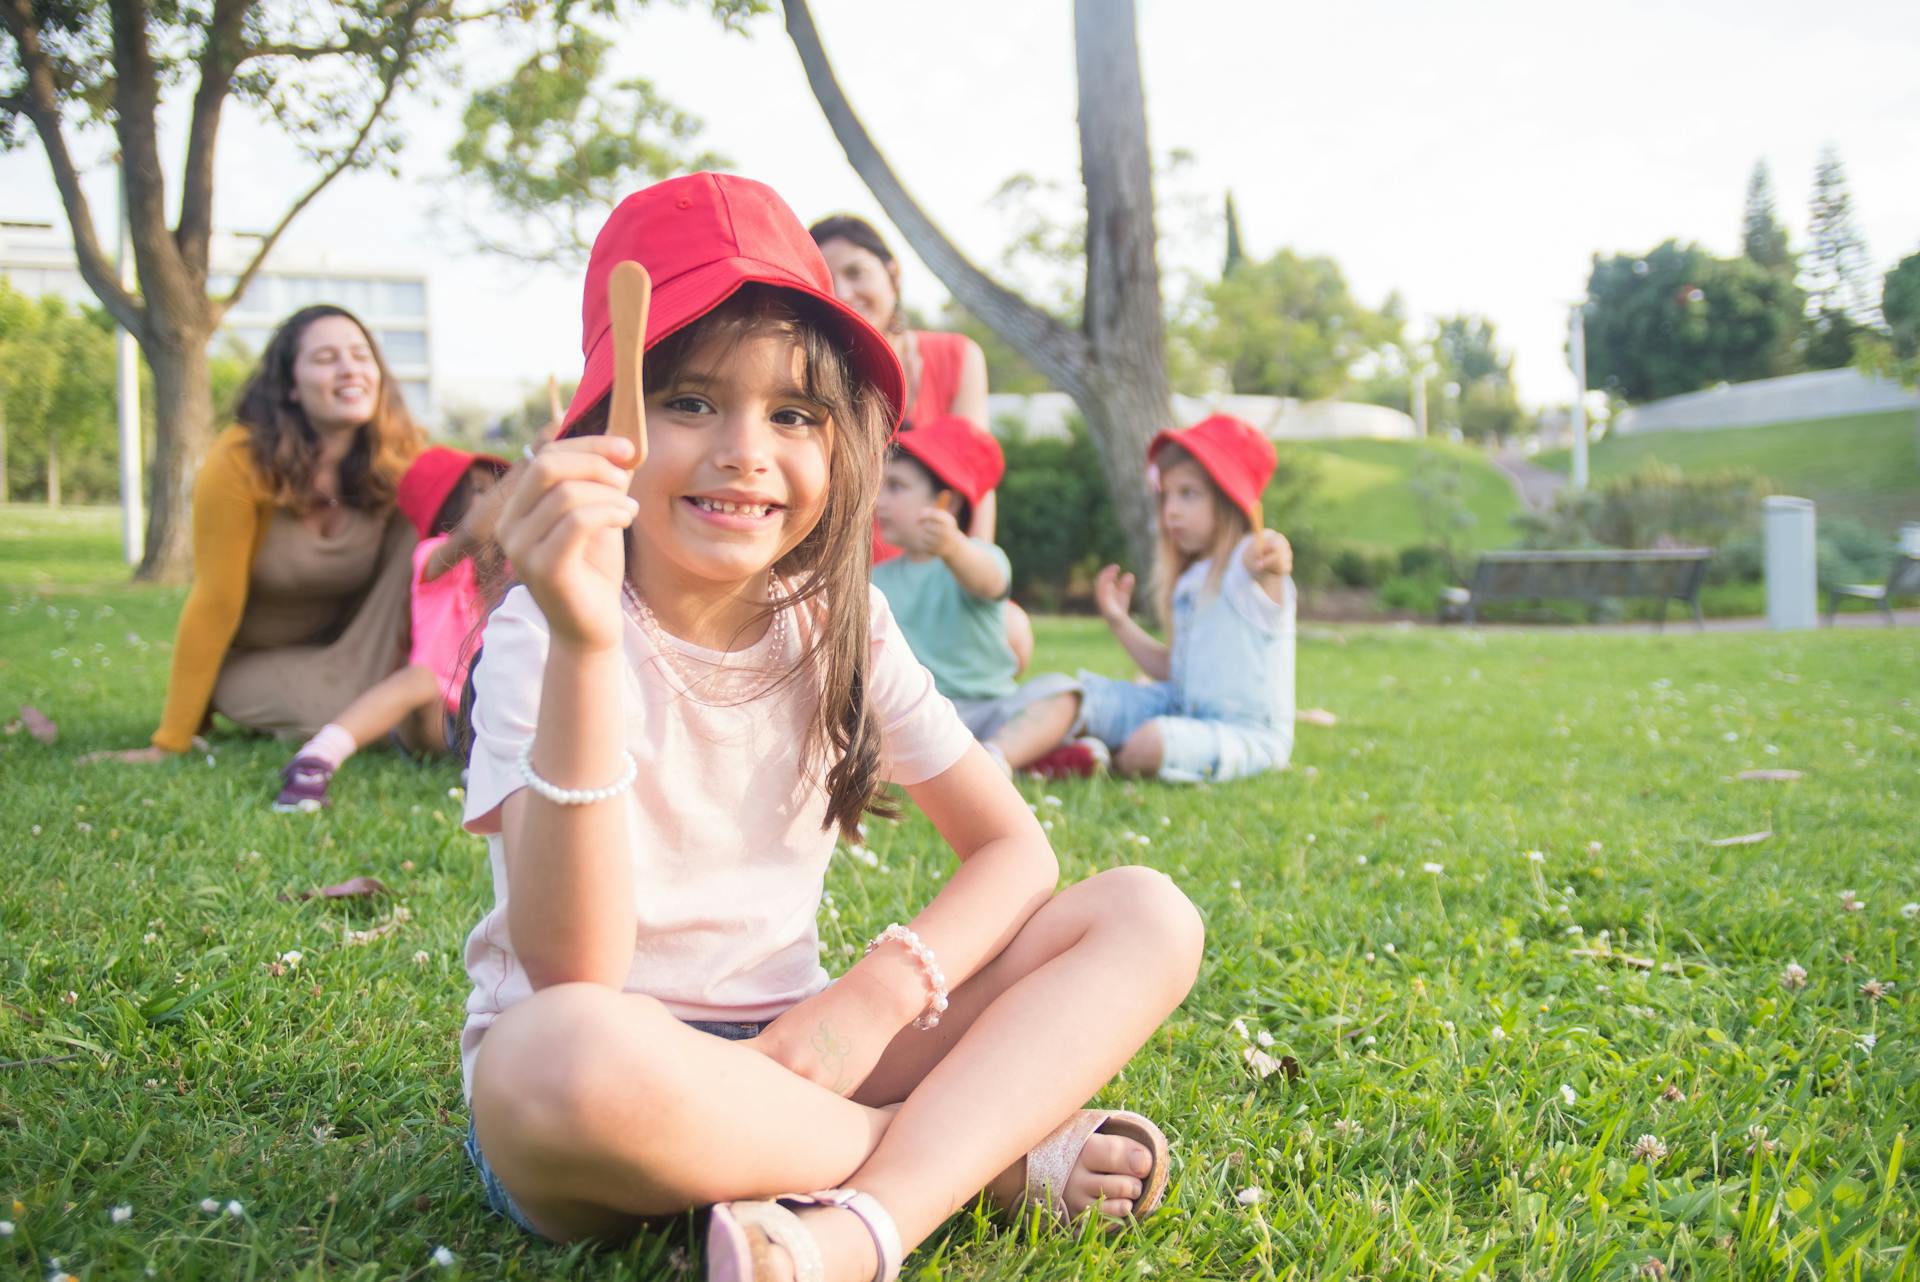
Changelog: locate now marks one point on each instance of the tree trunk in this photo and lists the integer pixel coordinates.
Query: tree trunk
(183, 428)
(53, 465)
(1115, 367)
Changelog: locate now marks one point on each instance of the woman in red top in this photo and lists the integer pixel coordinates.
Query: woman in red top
(946, 373)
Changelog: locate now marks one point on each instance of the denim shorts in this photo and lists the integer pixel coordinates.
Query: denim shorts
(501, 1202)
(1193, 749)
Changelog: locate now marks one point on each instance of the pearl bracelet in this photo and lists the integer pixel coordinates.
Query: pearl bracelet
(936, 982)
(575, 796)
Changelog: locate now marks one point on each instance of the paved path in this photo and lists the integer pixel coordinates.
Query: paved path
(1535, 485)
(1680, 624)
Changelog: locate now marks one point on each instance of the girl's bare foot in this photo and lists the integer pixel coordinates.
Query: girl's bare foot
(1109, 1174)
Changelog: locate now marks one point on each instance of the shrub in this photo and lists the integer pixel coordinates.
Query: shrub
(1653, 506)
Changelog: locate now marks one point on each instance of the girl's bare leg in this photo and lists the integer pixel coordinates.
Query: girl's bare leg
(398, 702)
(596, 1107)
(659, 1117)
(1060, 1011)
(1143, 752)
(1037, 730)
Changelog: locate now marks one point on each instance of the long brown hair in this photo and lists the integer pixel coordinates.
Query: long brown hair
(830, 566)
(286, 448)
(1230, 525)
(860, 233)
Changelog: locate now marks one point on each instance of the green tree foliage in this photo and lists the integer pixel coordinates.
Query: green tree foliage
(558, 143)
(1288, 326)
(56, 391)
(1762, 238)
(1835, 268)
(1895, 353)
(1678, 319)
(1477, 380)
(1007, 370)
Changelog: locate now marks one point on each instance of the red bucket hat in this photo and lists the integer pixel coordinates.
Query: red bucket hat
(966, 458)
(1231, 451)
(431, 478)
(701, 237)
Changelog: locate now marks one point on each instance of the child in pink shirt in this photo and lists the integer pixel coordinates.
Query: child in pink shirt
(690, 692)
(417, 704)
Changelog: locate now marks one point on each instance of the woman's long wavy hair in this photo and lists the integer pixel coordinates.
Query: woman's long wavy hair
(830, 566)
(286, 448)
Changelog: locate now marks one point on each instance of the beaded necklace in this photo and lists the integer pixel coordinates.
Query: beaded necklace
(715, 680)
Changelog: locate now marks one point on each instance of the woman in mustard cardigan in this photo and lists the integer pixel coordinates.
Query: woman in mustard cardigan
(300, 563)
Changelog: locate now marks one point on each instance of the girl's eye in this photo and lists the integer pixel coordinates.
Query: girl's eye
(794, 418)
(686, 404)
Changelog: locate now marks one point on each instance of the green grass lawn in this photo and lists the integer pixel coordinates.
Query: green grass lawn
(1363, 496)
(1863, 467)
(1471, 1091)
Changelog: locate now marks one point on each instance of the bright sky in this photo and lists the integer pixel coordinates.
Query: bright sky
(1472, 158)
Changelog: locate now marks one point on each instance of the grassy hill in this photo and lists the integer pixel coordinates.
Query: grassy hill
(1364, 495)
(1862, 466)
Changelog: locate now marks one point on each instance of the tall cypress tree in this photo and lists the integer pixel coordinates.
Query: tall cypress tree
(1763, 239)
(1836, 275)
(1235, 253)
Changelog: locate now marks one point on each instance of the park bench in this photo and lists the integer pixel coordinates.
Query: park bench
(1903, 579)
(1592, 575)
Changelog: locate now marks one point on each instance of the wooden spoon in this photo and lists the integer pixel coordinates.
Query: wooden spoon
(629, 291)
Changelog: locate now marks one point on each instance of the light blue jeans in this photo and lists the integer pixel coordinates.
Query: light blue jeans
(1193, 749)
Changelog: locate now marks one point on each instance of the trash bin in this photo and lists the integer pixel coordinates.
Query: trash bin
(1910, 538)
(1792, 563)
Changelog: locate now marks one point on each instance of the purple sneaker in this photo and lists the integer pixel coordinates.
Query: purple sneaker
(304, 789)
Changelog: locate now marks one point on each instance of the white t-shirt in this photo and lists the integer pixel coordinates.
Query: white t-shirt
(729, 857)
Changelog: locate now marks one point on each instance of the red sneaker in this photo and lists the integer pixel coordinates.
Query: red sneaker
(1080, 759)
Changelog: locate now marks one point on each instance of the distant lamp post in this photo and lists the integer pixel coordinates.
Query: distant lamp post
(1577, 350)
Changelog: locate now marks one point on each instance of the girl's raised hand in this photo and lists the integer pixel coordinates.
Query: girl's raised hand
(1113, 594)
(1269, 555)
(561, 530)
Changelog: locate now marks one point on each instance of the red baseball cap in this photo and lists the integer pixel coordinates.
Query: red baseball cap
(1233, 452)
(701, 237)
(431, 478)
(966, 458)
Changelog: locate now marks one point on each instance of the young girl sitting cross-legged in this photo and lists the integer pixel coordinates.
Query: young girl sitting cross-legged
(692, 689)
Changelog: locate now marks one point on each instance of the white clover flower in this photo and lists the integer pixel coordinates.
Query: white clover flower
(1249, 1196)
(1263, 1037)
(443, 1258)
(236, 1210)
(1234, 884)
(149, 938)
(1363, 861)
(422, 956)
(1648, 1148)
(6, 1228)
(1910, 911)
(211, 1205)
(1850, 902)
(120, 1214)
(1594, 847)
(1390, 949)
(1051, 800)
(1497, 1034)
(1567, 1094)
(1536, 857)
(1793, 976)
(1431, 867)
(1868, 1041)
(1240, 1026)
(1876, 989)
(291, 958)
(1348, 1130)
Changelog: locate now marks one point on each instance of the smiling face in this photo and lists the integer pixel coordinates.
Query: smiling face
(736, 471)
(1188, 509)
(863, 282)
(336, 378)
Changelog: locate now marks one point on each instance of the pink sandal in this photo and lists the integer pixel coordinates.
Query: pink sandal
(1052, 1160)
(739, 1233)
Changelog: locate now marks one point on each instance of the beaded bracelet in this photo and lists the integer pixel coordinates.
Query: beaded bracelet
(936, 982)
(575, 796)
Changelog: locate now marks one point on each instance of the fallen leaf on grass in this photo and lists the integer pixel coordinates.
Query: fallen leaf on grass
(1316, 717)
(37, 724)
(1744, 839)
(1769, 776)
(1266, 1065)
(352, 888)
(1626, 959)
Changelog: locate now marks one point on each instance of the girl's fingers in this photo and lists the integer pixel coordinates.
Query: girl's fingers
(568, 536)
(550, 473)
(553, 507)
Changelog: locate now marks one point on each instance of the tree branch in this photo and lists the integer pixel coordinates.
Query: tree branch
(1064, 356)
(220, 57)
(136, 103)
(39, 101)
(392, 77)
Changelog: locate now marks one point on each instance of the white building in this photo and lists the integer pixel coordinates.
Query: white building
(36, 257)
